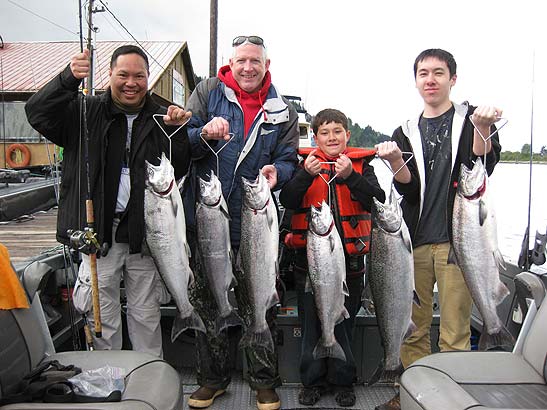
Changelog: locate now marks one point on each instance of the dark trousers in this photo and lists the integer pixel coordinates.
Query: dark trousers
(327, 372)
(213, 361)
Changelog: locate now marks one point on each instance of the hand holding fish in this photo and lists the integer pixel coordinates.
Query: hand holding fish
(216, 129)
(343, 167)
(176, 115)
(312, 164)
(270, 172)
(389, 150)
(485, 115)
(79, 65)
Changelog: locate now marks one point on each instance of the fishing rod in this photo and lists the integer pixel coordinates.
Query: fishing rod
(86, 241)
(536, 255)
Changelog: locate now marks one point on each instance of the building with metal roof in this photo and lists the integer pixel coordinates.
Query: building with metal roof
(25, 67)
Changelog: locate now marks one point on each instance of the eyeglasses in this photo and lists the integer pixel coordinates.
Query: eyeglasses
(239, 40)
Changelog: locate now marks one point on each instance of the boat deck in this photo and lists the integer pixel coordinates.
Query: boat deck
(240, 396)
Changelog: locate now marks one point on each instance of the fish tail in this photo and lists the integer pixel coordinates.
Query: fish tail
(501, 340)
(232, 319)
(335, 351)
(386, 377)
(180, 324)
(257, 339)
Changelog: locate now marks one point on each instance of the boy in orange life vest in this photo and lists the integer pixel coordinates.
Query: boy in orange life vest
(351, 193)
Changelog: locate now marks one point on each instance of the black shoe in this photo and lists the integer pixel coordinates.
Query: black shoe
(308, 396)
(393, 404)
(345, 398)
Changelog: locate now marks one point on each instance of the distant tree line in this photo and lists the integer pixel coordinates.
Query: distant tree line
(524, 155)
(365, 137)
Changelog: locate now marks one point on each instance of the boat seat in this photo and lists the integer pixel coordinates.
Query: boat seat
(150, 383)
(487, 380)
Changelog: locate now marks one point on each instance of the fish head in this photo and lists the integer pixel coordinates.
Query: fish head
(210, 191)
(256, 193)
(472, 182)
(388, 216)
(160, 179)
(320, 219)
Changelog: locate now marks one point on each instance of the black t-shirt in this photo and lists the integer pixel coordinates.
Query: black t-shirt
(436, 136)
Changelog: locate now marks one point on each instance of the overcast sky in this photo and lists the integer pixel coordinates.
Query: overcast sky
(354, 55)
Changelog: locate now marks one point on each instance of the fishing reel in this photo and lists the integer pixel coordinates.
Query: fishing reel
(85, 241)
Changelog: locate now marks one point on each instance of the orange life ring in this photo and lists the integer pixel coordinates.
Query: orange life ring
(21, 153)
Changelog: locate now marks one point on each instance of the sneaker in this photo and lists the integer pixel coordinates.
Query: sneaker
(308, 396)
(345, 398)
(204, 397)
(267, 399)
(393, 404)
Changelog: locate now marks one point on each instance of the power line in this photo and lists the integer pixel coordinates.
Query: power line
(42, 17)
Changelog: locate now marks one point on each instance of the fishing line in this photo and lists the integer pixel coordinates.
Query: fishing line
(169, 136)
(387, 164)
(202, 136)
(524, 257)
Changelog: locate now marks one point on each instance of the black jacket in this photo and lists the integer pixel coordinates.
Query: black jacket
(408, 139)
(54, 111)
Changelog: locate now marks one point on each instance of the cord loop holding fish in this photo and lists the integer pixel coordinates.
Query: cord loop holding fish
(330, 180)
(215, 153)
(486, 139)
(169, 136)
(386, 163)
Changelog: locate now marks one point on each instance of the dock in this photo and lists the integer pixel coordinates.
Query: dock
(29, 236)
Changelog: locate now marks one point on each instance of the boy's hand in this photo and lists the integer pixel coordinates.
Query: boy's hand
(343, 166)
(389, 151)
(312, 164)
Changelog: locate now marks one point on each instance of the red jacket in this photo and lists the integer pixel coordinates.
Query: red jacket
(355, 220)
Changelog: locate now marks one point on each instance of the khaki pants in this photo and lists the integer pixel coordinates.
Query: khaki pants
(455, 303)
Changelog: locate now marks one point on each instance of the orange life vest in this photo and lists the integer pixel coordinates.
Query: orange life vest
(354, 219)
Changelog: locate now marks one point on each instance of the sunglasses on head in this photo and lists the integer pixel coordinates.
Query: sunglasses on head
(239, 40)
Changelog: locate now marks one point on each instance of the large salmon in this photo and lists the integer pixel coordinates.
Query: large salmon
(391, 277)
(327, 272)
(166, 240)
(215, 249)
(475, 250)
(258, 252)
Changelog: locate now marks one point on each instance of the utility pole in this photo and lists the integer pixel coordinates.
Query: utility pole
(213, 39)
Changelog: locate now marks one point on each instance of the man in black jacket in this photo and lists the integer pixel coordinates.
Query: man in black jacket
(122, 135)
(441, 139)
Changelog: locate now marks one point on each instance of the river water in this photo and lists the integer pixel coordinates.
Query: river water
(510, 189)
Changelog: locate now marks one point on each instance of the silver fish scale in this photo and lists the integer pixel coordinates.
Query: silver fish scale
(391, 278)
(327, 271)
(213, 241)
(259, 252)
(474, 246)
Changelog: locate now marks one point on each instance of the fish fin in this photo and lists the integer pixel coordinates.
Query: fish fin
(452, 258)
(345, 290)
(260, 339)
(180, 324)
(483, 211)
(274, 299)
(386, 377)
(332, 243)
(180, 184)
(502, 340)
(406, 240)
(500, 262)
(232, 319)
(307, 287)
(416, 298)
(335, 351)
(224, 208)
(501, 293)
(410, 329)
